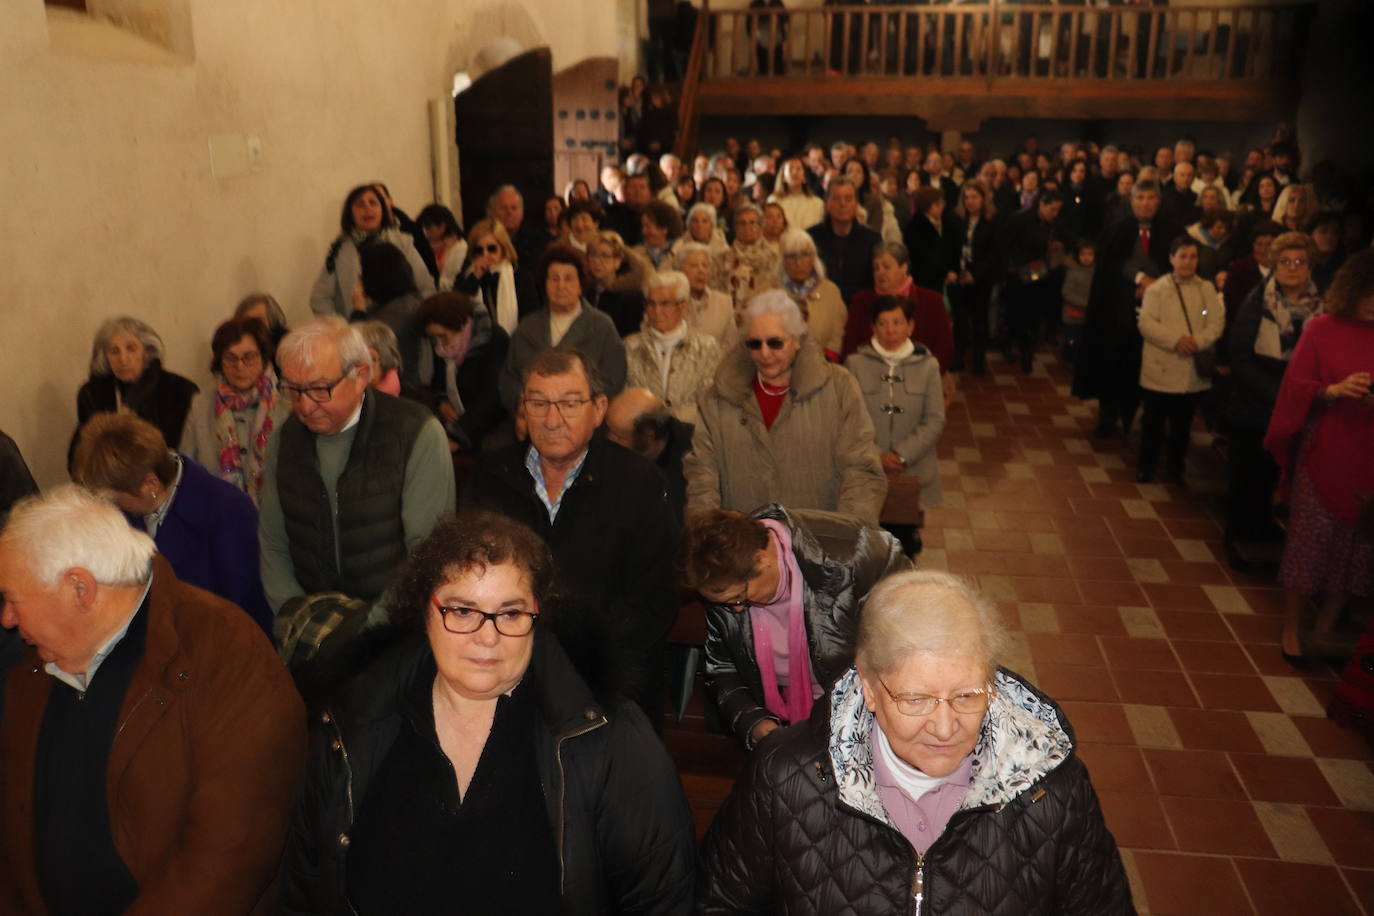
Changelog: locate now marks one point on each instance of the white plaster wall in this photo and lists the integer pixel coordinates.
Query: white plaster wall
(105, 171)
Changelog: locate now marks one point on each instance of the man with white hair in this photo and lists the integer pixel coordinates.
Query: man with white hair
(671, 167)
(355, 477)
(151, 740)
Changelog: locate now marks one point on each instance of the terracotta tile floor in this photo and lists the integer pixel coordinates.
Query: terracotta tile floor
(1226, 787)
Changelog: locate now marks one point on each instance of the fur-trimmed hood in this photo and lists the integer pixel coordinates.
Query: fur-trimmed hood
(1023, 740)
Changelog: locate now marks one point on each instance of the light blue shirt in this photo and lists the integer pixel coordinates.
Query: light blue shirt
(541, 490)
(82, 682)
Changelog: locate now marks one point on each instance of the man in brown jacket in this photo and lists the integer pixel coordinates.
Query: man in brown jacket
(164, 785)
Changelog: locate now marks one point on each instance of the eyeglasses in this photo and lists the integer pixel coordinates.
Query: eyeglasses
(1292, 262)
(742, 602)
(317, 393)
(798, 256)
(487, 249)
(247, 360)
(913, 704)
(661, 303)
(462, 620)
(773, 343)
(568, 408)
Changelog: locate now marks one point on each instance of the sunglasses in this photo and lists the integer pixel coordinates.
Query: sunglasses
(487, 249)
(773, 343)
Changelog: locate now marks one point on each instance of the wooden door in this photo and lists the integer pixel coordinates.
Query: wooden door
(503, 125)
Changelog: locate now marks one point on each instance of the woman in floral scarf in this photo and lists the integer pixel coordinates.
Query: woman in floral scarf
(227, 432)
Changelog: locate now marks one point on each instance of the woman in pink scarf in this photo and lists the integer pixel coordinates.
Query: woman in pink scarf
(227, 432)
(1322, 436)
(783, 590)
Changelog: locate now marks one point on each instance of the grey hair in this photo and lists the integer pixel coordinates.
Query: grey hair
(703, 207)
(70, 527)
(276, 318)
(378, 336)
(896, 250)
(668, 157)
(798, 241)
(152, 343)
(491, 201)
(674, 280)
(746, 208)
(776, 302)
(929, 613)
(839, 181)
(304, 344)
(687, 248)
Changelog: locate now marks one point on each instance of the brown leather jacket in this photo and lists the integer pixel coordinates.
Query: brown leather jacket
(209, 748)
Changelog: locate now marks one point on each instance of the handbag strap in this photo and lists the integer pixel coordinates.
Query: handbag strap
(1181, 304)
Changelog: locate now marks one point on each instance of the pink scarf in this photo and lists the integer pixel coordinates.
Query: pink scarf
(796, 705)
(242, 465)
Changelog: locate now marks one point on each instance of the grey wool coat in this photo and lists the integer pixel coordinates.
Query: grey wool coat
(592, 334)
(908, 411)
(820, 453)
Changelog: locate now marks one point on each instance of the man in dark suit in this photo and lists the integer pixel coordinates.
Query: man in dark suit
(845, 245)
(1133, 254)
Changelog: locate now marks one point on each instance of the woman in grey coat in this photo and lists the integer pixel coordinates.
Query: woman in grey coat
(900, 381)
(366, 218)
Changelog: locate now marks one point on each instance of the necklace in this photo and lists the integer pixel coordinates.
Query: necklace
(773, 392)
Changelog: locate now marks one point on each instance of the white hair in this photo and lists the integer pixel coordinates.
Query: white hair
(379, 336)
(305, 344)
(703, 207)
(683, 249)
(776, 302)
(70, 527)
(668, 157)
(674, 280)
(152, 343)
(931, 613)
(798, 241)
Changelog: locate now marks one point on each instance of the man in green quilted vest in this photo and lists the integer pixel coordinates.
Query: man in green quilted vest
(354, 477)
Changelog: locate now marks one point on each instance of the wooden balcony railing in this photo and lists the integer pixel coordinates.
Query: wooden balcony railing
(998, 41)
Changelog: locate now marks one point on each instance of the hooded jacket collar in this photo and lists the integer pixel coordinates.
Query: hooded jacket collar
(1023, 740)
(735, 377)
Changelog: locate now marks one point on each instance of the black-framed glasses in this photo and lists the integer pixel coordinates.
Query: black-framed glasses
(568, 408)
(461, 620)
(247, 360)
(969, 702)
(317, 393)
(773, 343)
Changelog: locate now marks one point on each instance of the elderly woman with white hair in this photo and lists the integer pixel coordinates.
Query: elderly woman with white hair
(928, 780)
(707, 309)
(670, 357)
(802, 275)
(701, 228)
(127, 374)
(781, 424)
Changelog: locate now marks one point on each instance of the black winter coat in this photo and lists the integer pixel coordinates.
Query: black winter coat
(933, 253)
(1030, 839)
(1255, 379)
(840, 561)
(162, 398)
(619, 817)
(613, 545)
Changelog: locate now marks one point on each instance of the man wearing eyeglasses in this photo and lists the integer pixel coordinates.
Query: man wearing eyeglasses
(605, 514)
(355, 477)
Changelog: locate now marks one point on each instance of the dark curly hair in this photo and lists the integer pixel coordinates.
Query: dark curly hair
(563, 254)
(720, 549)
(235, 329)
(466, 542)
(1353, 283)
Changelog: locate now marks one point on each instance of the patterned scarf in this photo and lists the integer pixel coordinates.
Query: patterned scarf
(801, 291)
(1282, 321)
(242, 465)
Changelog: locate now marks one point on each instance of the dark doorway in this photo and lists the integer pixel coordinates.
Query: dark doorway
(503, 125)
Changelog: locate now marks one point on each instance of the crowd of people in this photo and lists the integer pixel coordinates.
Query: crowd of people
(694, 377)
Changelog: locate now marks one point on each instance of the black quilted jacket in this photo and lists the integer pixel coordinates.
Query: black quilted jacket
(786, 841)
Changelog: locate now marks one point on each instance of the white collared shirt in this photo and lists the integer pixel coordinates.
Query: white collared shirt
(153, 520)
(82, 682)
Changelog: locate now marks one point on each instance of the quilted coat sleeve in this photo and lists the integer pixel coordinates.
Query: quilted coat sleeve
(735, 874)
(738, 706)
(1091, 880)
(863, 486)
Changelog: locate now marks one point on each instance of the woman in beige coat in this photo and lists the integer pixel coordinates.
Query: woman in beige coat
(1180, 316)
(780, 424)
(802, 274)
